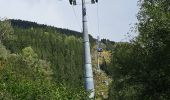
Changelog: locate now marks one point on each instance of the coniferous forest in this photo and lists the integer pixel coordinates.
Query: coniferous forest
(40, 62)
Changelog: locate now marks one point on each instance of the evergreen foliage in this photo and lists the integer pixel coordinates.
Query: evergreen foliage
(141, 69)
(64, 52)
(40, 63)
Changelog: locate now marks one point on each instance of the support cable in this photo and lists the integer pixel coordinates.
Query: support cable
(98, 20)
(98, 37)
(76, 18)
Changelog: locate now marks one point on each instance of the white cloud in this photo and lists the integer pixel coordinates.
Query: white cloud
(115, 15)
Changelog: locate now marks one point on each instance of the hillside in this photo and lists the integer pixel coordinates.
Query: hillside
(40, 62)
(33, 54)
(27, 25)
(56, 54)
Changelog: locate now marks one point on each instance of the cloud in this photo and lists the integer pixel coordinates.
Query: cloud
(114, 15)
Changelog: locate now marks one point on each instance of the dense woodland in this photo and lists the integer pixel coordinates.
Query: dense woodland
(140, 69)
(40, 62)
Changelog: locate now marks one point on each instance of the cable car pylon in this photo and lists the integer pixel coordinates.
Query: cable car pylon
(88, 73)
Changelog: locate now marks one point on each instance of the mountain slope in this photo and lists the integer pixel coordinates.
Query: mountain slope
(32, 65)
(56, 53)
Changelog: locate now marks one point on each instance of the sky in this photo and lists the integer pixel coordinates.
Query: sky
(110, 19)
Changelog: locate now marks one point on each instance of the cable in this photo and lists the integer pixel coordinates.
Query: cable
(98, 20)
(76, 18)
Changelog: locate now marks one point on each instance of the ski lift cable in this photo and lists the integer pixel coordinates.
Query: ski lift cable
(98, 20)
(76, 18)
(99, 49)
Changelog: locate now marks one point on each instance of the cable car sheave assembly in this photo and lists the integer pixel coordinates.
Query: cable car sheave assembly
(73, 2)
(94, 1)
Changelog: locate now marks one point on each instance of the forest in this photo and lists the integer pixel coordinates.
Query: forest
(37, 63)
(140, 69)
(40, 62)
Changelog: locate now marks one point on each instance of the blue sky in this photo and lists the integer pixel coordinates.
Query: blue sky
(115, 19)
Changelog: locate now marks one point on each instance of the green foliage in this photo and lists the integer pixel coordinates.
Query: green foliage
(27, 77)
(41, 66)
(108, 44)
(29, 56)
(63, 52)
(140, 69)
(5, 30)
(3, 52)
